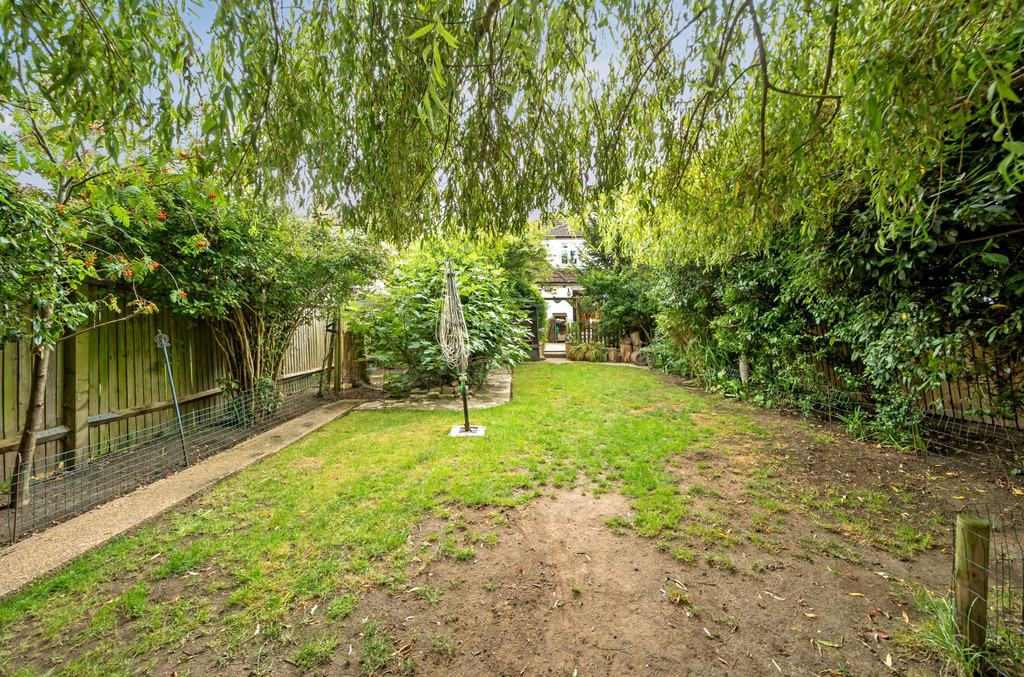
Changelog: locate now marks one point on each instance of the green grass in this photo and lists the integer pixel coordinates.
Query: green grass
(315, 652)
(684, 554)
(432, 595)
(376, 649)
(721, 562)
(443, 646)
(341, 606)
(336, 512)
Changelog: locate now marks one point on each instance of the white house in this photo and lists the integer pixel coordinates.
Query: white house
(565, 251)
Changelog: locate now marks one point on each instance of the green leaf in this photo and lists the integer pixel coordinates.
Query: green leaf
(448, 37)
(421, 32)
(993, 259)
(1015, 147)
(438, 66)
(1003, 86)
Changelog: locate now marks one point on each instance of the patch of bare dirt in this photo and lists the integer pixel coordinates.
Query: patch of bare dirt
(560, 593)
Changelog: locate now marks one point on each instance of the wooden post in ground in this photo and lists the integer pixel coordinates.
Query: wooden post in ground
(359, 372)
(347, 369)
(970, 573)
(339, 356)
(76, 400)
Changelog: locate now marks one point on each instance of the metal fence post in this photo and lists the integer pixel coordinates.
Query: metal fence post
(162, 341)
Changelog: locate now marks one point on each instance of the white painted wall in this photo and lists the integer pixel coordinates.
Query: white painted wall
(555, 306)
(564, 252)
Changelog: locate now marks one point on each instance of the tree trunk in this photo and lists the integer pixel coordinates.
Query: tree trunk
(21, 490)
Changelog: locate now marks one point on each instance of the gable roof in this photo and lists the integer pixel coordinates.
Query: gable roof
(560, 228)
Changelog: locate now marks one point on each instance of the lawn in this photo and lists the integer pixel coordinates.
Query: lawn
(684, 532)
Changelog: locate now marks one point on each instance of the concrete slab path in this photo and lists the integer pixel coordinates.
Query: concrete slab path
(31, 558)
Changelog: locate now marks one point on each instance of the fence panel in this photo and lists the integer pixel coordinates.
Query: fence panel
(308, 348)
(123, 382)
(962, 400)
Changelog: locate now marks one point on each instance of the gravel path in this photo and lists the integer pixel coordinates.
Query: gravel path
(50, 550)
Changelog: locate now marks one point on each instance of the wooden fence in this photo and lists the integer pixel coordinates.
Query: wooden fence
(964, 399)
(111, 381)
(591, 331)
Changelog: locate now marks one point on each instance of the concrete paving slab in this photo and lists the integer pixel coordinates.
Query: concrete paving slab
(495, 391)
(31, 558)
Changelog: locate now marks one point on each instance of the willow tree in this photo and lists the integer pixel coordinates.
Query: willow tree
(760, 114)
(401, 118)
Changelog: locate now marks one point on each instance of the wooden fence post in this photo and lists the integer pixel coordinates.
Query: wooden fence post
(970, 572)
(76, 400)
(342, 375)
(359, 369)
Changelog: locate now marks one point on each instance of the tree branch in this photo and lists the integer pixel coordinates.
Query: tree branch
(831, 55)
(763, 58)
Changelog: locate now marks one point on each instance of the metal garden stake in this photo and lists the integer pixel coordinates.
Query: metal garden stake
(162, 341)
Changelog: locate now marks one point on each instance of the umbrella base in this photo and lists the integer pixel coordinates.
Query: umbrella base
(474, 431)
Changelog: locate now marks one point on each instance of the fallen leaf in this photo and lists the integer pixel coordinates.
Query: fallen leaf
(1018, 492)
(854, 594)
(831, 644)
(888, 660)
(906, 618)
(881, 634)
(811, 615)
(960, 497)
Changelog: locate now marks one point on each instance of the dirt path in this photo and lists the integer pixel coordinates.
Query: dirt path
(562, 593)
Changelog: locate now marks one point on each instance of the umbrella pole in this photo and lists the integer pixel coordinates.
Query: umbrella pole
(465, 405)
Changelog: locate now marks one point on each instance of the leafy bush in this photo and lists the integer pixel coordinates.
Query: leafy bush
(400, 322)
(523, 259)
(255, 272)
(623, 298)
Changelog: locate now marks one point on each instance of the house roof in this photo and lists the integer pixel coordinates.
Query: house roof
(561, 228)
(560, 277)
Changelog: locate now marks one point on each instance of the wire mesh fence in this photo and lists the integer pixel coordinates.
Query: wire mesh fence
(954, 437)
(987, 584)
(80, 479)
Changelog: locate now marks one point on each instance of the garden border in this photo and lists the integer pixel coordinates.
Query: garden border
(27, 560)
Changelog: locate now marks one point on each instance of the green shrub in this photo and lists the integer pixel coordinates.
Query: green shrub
(400, 323)
(585, 352)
